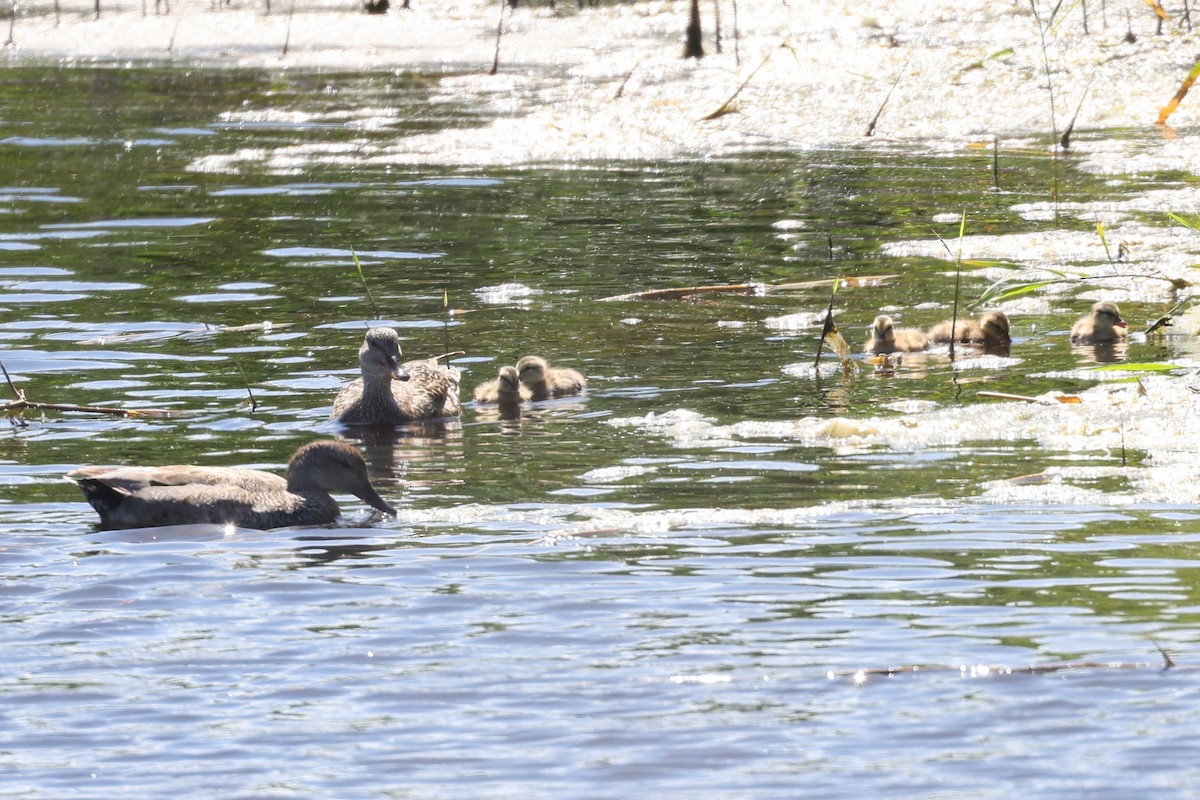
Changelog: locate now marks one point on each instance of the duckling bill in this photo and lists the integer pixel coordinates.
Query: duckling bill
(144, 497)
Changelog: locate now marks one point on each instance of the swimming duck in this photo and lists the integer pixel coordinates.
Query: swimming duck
(1103, 324)
(391, 393)
(886, 339)
(505, 388)
(991, 331)
(996, 329)
(967, 331)
(143, 497)
(544, 381)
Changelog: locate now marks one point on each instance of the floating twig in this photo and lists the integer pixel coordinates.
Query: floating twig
(16, 409)
(1065, 398)
(287, 38)
(499, 31)
(628, 75)
(871, 126)
(994, 670)
(682, 293)
(724, 108)
(1065, 141)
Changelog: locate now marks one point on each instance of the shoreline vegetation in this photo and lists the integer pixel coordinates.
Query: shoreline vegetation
(612, 81)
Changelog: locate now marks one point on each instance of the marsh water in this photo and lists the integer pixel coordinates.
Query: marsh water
(666, 585)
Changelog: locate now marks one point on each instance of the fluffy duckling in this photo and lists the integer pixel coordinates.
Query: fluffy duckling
(966, 331)
(996, 330)
(886, 339)
(143, 497)
(391, 393)
(543, 381)
(991, 331)
(1102, 325)
(505, 388)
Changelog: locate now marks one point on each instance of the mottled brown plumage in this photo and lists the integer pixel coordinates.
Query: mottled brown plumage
(886, 339)
(143, 497)
(1103, 324)
(391, 393)
(544, 381)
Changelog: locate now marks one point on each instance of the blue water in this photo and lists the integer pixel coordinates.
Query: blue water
(570, 604)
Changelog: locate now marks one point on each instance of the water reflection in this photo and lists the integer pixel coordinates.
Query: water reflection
(649, 581)
(414, 454)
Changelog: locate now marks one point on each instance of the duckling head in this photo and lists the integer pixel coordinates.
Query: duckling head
(995, 327)
(380, 354)
(532, 370)
(509, 380)
(882, 329)
(1107, 315)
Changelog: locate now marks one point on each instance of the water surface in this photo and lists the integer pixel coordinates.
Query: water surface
(665, 585)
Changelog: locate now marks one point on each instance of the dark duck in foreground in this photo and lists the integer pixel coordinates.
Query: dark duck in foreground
(143, 497)
(391, 393)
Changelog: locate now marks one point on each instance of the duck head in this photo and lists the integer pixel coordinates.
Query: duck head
(380, 354)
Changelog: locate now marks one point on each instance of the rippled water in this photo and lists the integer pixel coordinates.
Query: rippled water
(668, 585)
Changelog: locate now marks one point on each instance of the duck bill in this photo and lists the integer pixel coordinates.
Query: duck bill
(1120, 324)
(372, 498)
(399, 373)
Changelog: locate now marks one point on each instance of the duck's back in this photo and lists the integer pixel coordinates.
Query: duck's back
(564, 381)
(261, 504)
(431, 391)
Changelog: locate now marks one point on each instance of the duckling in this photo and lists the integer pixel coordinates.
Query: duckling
(886, 339)
(391, 393)
(996, 330)
(1103, 324)
(505, 388)
(967, 331)
(543, 381)
(991, 331)
(143, 497)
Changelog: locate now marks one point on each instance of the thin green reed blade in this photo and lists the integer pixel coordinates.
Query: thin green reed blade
(363, 278)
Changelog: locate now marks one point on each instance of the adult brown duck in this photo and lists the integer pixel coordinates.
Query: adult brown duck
(1101, 326)
(544, 381)
(885, 338)
(143, 497)
(391, 393)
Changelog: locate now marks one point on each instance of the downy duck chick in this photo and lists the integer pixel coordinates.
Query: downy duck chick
(886, 339)
(505, 388)
(391, 393)
(996, 331)
(1103, 324)
(143, 497)
(991, 331)
(966, 331)
(544, 381)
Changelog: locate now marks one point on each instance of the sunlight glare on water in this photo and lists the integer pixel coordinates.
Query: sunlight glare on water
(726, 570)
